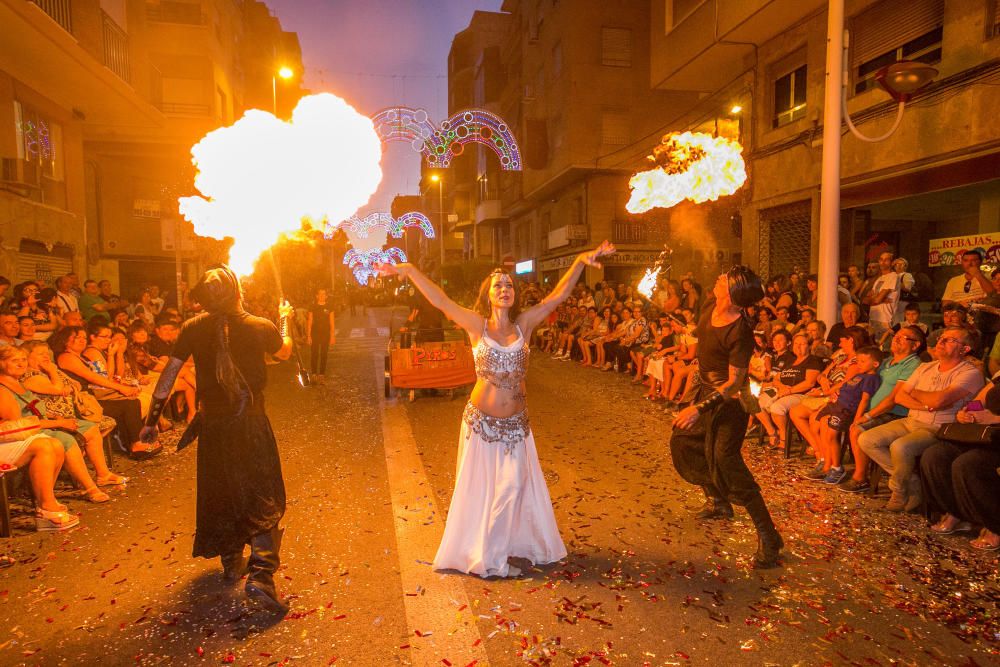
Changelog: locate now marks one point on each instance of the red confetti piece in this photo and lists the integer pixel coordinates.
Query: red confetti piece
(446, 662)
(200, 651)
(478, 642)
(229, 659)
(337, 618)
(405, 646)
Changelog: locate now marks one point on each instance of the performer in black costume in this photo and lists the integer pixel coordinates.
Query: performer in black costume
(708, 435)
(241, 493)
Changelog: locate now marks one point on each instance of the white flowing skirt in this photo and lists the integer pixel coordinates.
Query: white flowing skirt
(500, 509)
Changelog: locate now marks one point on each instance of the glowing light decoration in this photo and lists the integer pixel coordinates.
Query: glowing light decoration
(260, 177)
(440, 144)
(693, 166)
(369, 235)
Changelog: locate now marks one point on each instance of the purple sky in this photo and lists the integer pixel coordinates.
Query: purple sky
(381, 53)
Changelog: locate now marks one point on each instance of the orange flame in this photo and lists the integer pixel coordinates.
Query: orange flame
(262, 176)
(693, 166)
(755, 388)
(648, 282)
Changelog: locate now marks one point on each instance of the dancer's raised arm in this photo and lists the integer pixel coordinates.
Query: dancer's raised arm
(535, 315)
(469, 320)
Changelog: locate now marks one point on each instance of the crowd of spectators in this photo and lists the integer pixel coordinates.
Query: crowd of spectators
(78, 364)
(880, 382)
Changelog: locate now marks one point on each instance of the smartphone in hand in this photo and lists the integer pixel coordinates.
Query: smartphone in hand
(974, 406)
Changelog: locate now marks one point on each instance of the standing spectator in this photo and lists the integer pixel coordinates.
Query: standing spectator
(690, 294)
(321, 334)
(67, 299)
(844, 295)
(809, 298)
(972, 285)
(4, 287)
(871, 274)
(155, 299)
(74, 284)
(784, 297)
(855, 281)
(906, 283)
(883, 297)
(144, 309)
(91, 303)
(934, 394)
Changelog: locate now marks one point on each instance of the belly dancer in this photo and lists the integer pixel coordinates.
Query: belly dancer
(500, 508)
(241, 493)
(708, 435)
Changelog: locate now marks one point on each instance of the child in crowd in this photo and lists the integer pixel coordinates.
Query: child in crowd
(911, 318)
(836, 418)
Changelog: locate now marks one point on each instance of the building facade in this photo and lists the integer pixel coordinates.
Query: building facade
(102, 101)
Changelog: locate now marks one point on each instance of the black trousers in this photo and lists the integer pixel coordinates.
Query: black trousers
(128, 413)
(319, 352)
(709, 453)
(963, 482)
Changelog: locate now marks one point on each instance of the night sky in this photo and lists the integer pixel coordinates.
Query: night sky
(380, 53)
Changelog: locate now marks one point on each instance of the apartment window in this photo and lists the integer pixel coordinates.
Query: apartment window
(678, 10)
(616, 47)
(894, 30)
(614, 128)
(790, 97)
(39, 142)
(993, 18)
(175, 11)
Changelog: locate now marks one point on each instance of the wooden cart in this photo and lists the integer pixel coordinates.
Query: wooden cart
(413, 363)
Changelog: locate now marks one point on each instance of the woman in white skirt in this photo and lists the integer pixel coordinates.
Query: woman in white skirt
(501, 507)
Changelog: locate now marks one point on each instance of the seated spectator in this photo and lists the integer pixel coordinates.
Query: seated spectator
(143, 309)
(642, 338)
(120, 319)
(10, 330)
(28, 304)
(598, 329)
(934, 394)
(43, 457)
(685, 365)
(911, 318)
(807, 314)
(156, 301)
(962, 481)
(906, 346)
(602, 345)
(160, 346)
(91, 303)
(671, 328)
(564, 345)
(72, 319)
(624, 338)
(816, 331)
(953, 314)
(850, 315)
(836, 417)
(82, 358)
(781, 320)
(17, 402)
(26, 328)
(793, 374)
(59, 391)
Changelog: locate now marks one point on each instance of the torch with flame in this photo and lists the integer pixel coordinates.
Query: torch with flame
(262, 176)
(660, 266)
(692, 165)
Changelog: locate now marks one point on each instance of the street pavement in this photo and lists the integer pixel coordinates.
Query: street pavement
(369, 482)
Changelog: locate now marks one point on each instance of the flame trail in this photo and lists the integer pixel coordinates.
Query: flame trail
(648, 282)
(693, 166)
(261, 176)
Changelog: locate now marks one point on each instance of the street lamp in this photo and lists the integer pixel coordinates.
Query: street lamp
(437, 179)
(901, 80)
(283, 72)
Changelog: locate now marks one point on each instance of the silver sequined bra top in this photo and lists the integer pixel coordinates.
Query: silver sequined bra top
(503, 366)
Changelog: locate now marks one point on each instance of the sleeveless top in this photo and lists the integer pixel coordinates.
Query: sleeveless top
(503, 366)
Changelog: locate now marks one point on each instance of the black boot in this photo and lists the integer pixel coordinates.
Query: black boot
(234, 566)
(715, 507)
(264, 561)
(769, 542)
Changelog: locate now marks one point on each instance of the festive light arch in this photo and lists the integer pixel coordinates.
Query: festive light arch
(440, 144)
(368, 236)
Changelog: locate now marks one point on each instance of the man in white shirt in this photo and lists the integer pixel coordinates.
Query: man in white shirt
(64, 293)
(972, 285)
(906, 283)
(883, 297)
(934, 394)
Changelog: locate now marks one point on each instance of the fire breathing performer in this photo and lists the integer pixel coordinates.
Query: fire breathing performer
(500, 508)
(708, 435)
(241, 493)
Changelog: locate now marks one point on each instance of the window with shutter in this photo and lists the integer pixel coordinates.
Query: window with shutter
(790, 97)
(616, 47)
(614, 128)
(993, 18)
(894, 30)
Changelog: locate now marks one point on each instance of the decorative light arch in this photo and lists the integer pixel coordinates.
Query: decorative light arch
(440, 144)
(368, 236)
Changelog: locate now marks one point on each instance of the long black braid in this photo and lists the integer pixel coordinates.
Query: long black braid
(219, 293)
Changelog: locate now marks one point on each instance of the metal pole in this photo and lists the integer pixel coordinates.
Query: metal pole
(274, 95)
(177, 263)
(829, 218)
(441, 217)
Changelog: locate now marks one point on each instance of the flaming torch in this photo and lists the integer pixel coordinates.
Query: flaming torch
(693, 166)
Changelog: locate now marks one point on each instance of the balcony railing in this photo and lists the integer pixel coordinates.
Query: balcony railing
(115, 48)
(629, 232)
(185, 109)
(59, 10)
(170, 11)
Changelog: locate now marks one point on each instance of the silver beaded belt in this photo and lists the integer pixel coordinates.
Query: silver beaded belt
(507, 430)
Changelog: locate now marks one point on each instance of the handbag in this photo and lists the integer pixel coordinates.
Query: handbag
(970, 434)
(19, 429)
(87, 406)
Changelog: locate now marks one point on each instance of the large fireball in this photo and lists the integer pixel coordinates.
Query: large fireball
(262, 176)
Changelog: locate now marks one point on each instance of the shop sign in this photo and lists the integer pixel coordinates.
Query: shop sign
(526, 266)
(948, 251)
(631, 258)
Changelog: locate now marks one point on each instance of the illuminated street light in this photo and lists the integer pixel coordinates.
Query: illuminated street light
(736, 109)
(285, 73)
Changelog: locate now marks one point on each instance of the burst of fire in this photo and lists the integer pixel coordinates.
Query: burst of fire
(262, 176)
(693, 166)
(755, 388)
(648, 282)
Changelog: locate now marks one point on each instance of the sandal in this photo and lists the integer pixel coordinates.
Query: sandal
(95, 495)
(984, 543)
(50, 522)
(940, 528)
(114, 480)
(774, 441)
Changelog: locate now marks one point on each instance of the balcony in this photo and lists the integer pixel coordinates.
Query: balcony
(489, 211)
(629, 232)
(60, 11)
(711, 46)
(115, 48)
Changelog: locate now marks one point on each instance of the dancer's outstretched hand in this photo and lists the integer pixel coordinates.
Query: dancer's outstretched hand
(592, 257)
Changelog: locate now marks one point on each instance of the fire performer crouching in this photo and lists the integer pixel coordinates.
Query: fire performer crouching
(241, 493)
(708, 435)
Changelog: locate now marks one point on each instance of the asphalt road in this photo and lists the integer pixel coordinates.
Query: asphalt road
(369, 482)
